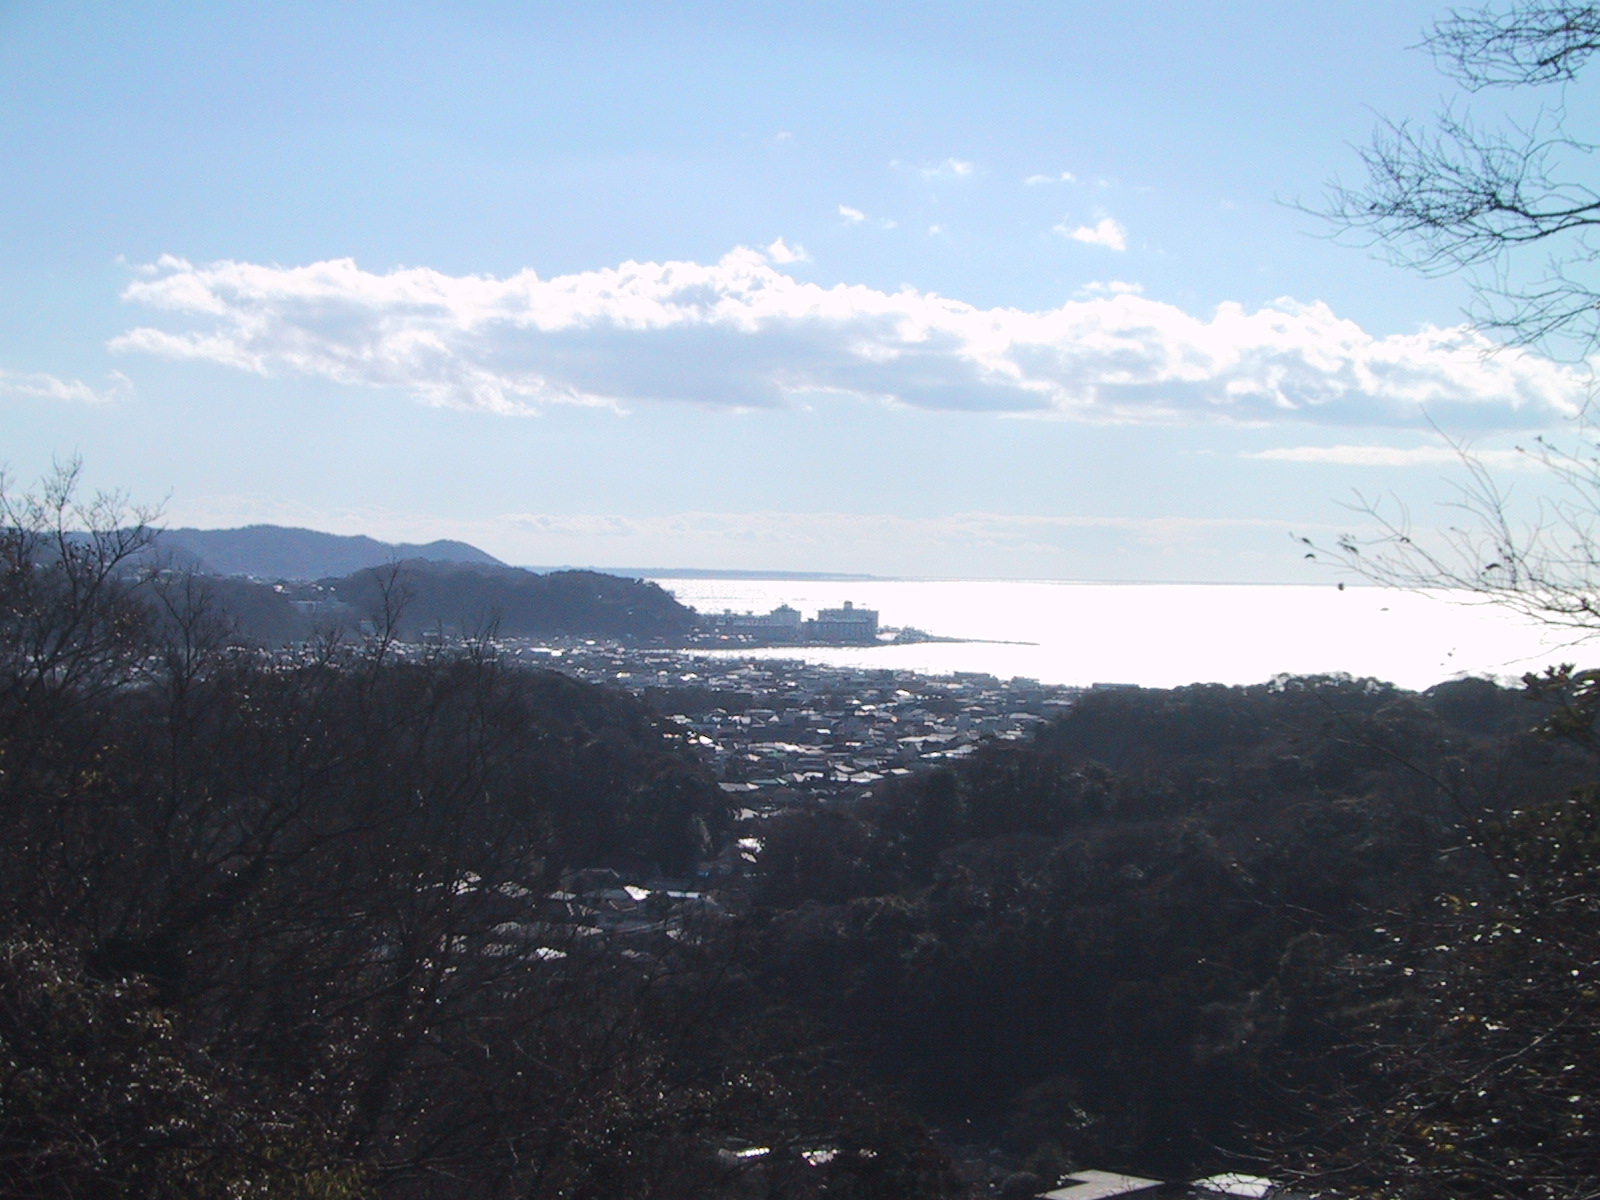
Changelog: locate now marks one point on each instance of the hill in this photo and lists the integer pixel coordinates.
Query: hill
(280, 552)
(1168, 923)
(299, 926)
(465, 598)
(455, 599)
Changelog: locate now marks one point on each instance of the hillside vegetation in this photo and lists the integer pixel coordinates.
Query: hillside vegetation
(417, 599)
(1319, 925)
(289, 925)
(306, 923)
(462, 599)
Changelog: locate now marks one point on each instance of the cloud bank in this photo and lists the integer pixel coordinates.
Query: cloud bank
(1398, 456)
(743, 333)
(39, 386)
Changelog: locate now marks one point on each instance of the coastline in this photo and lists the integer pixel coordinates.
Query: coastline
(1157, 635)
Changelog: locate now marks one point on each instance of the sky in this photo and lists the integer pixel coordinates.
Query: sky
(997, 290)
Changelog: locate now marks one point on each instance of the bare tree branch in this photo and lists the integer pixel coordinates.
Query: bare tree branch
(1532, 42)
(1545, 566)
(1458, 194)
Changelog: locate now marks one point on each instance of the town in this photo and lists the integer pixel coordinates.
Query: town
(779, 735)
(782, 732)
(845, 626)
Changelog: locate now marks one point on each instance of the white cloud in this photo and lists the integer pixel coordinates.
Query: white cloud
(1396, 456)
(1111, 287)
(39, 386)
(950, 168)
(1105, 232)
(780, 252)
(854, 215)
(742, 333)
(1063, 177)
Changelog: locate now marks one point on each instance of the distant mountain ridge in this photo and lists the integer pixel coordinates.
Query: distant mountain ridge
(281, 585)
(283, 552)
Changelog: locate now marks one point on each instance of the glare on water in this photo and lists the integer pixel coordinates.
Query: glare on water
(1163, 635)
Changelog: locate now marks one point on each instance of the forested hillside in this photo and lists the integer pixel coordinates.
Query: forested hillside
(418, 599)
(467, 599)
(290, 925)
(346, 921)
(1185, 931)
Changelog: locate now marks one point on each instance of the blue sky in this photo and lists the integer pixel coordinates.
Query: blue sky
(1009, 289)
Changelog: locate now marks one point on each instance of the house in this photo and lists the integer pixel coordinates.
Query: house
(1101, 1185)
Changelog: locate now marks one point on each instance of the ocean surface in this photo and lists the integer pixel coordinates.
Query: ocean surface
(1162, 635)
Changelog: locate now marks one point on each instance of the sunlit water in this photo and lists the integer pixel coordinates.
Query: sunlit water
(1163, 635)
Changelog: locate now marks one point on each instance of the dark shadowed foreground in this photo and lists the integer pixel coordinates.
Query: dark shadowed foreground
(274, 925)
(1319, 929)
(298, 924)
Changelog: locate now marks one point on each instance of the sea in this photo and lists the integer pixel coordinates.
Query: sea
(1158, 634)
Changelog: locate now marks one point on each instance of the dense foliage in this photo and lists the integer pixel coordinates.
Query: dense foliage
(274, 925)
(419, 600)
(1481, 1062)
(281, 925)
(1161, 936)
(460, 598)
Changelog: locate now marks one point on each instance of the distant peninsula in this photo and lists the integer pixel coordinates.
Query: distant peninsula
(279, 552)
(280, 585)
